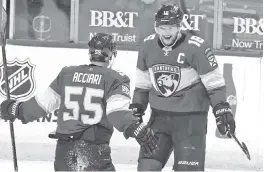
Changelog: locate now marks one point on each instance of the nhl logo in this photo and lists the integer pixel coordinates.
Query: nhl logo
(20, 79)
(166, 78)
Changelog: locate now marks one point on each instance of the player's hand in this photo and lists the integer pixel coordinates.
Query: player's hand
(138, 110)
(9, 110)
(144, 136)
(224, 119)
(147, 140)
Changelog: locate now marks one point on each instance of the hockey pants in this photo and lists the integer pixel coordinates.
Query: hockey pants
(184, 134)
(79, 155)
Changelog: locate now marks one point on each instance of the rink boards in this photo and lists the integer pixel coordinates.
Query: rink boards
(41, 66)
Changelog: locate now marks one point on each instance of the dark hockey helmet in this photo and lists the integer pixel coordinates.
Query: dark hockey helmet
(169, 15)
(102, 48)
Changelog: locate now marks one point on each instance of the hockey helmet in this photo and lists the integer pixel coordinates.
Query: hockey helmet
(169, 15)
(102, 48)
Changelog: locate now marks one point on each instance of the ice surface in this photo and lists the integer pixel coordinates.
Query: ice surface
(39, 166)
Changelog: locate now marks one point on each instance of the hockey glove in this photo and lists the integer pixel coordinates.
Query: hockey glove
(9, 109)
(224, 119)
(144, 136)
(138, 110)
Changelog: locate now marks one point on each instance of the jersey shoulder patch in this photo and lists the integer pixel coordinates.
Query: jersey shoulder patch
(119, 79)
(125, 89)
(210, 57)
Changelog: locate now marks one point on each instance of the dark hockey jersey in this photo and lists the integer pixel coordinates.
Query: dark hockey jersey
(84, 95)
(183, 78)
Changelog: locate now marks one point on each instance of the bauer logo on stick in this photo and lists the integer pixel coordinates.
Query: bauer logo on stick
(167, 78)
(20, 78)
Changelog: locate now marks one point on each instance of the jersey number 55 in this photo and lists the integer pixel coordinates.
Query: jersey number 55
(86, 102)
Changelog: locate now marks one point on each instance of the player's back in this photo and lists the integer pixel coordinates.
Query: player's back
(84, 90)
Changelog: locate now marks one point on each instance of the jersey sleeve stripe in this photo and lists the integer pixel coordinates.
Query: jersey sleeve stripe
(213, 79)
(143, 79)
(48, 100)
(117, 102)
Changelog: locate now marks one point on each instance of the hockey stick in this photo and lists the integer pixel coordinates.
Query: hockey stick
(241, 145)
(3, 39)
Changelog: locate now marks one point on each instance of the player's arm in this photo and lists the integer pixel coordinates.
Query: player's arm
(118, 99)
(142, 84)
(36, 107)
(122, 118)
(203, 60)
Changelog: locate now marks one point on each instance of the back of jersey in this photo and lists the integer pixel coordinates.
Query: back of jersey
(83, 90)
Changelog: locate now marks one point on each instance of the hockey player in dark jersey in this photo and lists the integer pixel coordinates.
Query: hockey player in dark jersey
(91, 99)
(178, 76)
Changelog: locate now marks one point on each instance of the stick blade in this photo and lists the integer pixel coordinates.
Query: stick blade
(246, 150)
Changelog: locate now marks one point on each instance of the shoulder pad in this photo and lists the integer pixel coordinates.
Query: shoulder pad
(65, 68)
(123, 75)
(68, 67)
(117, 74)
(120, 73)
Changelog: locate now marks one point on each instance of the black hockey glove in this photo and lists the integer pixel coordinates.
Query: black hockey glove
(144, 136)
(138, 110)
(9, 109)
(224, 119)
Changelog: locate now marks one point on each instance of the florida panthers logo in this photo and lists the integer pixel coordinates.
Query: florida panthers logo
(166, 78)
